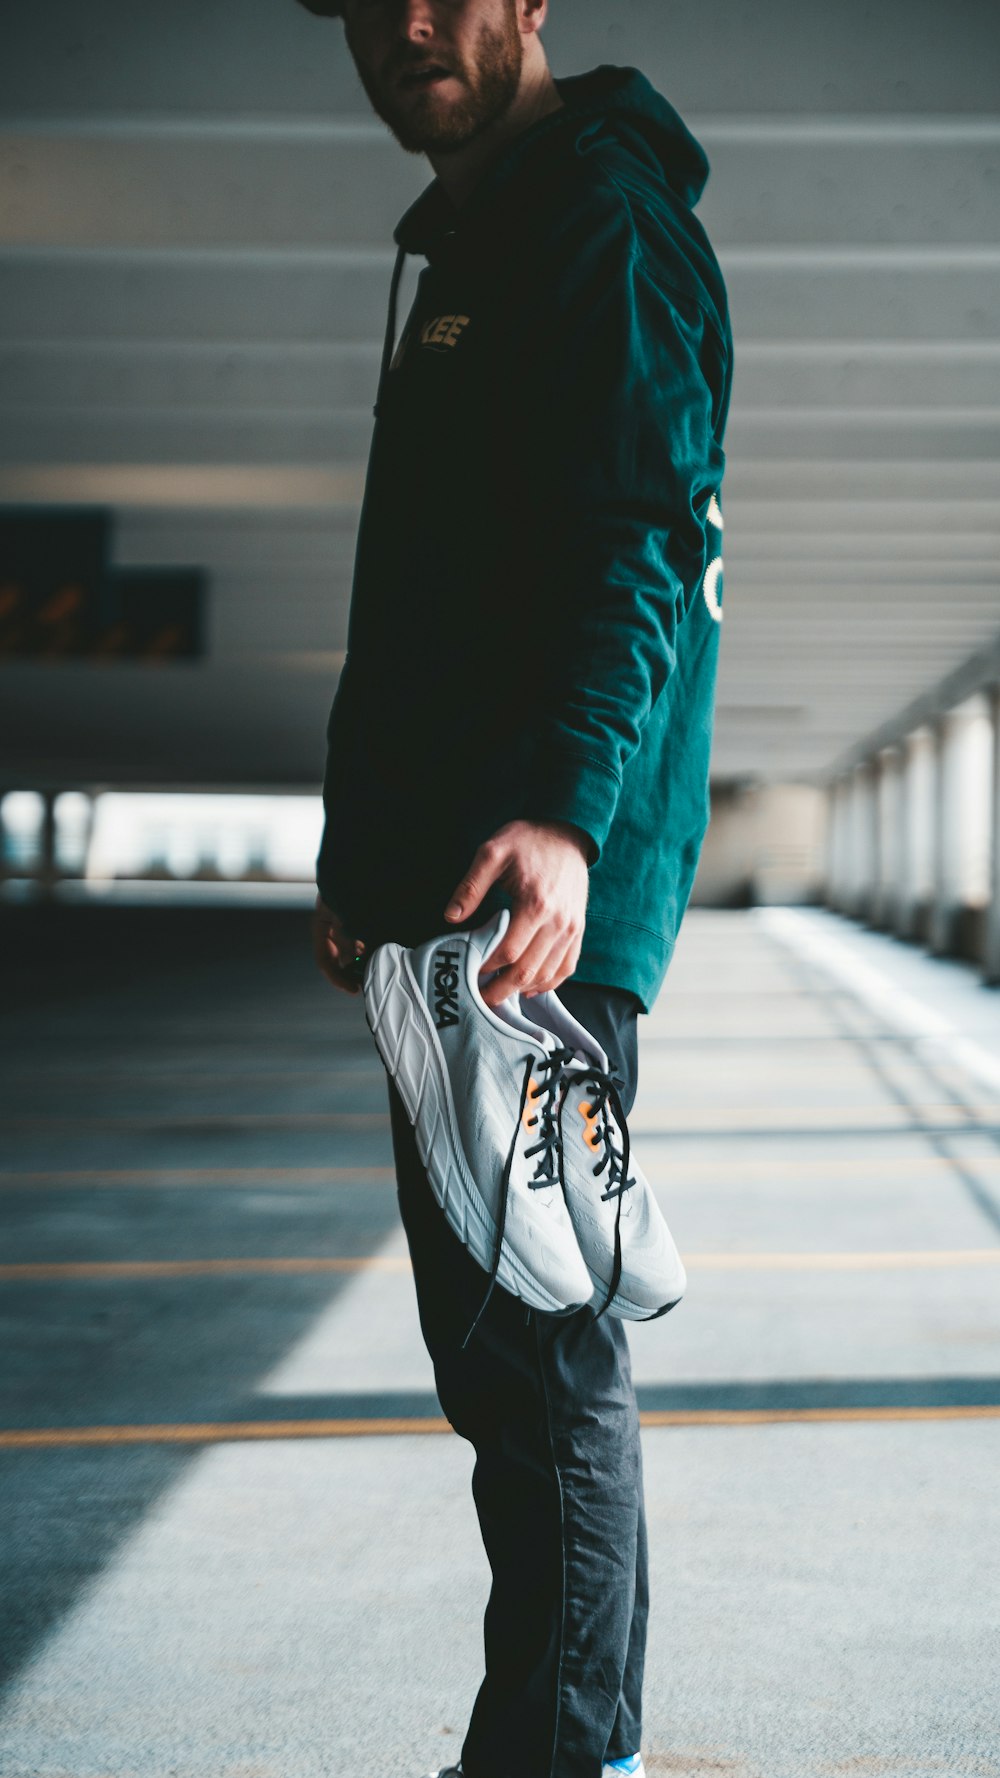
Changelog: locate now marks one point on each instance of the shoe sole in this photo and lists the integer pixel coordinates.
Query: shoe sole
(625, 1310)
(395, 1009)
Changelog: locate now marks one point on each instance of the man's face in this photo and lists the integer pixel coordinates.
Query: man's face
(474, 44)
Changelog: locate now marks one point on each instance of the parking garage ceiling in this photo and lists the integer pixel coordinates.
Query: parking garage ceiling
(196, 210)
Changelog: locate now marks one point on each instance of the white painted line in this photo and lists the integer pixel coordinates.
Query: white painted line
(931, 1032)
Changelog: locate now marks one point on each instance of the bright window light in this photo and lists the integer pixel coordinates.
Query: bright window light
(181, 837)
(22, 815)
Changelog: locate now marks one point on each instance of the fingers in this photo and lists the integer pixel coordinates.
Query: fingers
(337, 974)
(339, 978)
(526, 921)
(488, 864)
(556, 969)
(532, 950)
(335, 951)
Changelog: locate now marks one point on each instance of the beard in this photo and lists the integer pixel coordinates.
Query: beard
(422, 120)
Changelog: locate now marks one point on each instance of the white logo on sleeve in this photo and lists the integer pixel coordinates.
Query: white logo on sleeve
(711, 586)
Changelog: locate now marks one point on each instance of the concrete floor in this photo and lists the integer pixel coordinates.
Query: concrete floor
(222, 1555)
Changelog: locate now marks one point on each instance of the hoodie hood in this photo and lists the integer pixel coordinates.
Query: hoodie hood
(608, 101)
(608, 98)
(643, 120)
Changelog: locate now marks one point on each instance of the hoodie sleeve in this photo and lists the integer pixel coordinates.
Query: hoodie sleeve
(622, 381)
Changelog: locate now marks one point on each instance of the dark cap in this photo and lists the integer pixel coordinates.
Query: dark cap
(324, 9)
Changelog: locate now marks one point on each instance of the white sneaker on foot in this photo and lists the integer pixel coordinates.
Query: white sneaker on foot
(636, 1269)
(615, 1770)
(482, 1097)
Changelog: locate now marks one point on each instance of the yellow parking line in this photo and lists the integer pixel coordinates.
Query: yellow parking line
(740, 1166)
(844, 1262)
(213, 1432)
(184, 1176)
(919, 1258)
(743, 1416)
(875, 1165)
(236, 1431)
(180, 1078)
(799, 1117)
(197, 1268)
(793, 1117)
(253, 1120)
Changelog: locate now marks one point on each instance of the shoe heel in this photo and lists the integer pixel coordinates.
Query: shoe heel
(390, 1013)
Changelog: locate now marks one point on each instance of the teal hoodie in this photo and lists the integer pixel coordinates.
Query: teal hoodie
(536, 607)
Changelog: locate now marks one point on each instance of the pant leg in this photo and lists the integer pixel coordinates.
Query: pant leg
(493, 1395)
(612, 1020)
(547, 1402)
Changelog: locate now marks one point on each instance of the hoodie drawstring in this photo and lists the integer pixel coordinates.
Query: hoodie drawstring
(390, 326)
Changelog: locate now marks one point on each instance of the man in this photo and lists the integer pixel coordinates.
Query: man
(524, 719)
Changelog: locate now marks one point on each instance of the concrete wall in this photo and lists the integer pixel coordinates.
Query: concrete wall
(765, 843)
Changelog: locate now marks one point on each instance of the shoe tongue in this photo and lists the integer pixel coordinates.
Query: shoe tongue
(512, 1012)
(568, 1030)
(484, 939)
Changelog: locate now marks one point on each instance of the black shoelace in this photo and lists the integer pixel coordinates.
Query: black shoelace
(606, 1082)
(548, 1169)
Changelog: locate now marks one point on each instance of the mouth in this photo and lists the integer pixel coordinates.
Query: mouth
(428, 74)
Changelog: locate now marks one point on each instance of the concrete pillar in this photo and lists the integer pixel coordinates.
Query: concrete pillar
(863, 840)
(888, 862)
(852, 846)
(844, 866)
(961, 849)
(74, 823)
(48, 868)
(917, 822)
(836, 845)
(939, 921)
(991, 934)
(830, 857)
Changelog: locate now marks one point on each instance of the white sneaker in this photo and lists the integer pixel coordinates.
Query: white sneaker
(482, 1097)
(623, 1236)
(616, 1770)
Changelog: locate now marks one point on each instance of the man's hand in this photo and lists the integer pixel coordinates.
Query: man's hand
(334, 949)
(544, 866)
